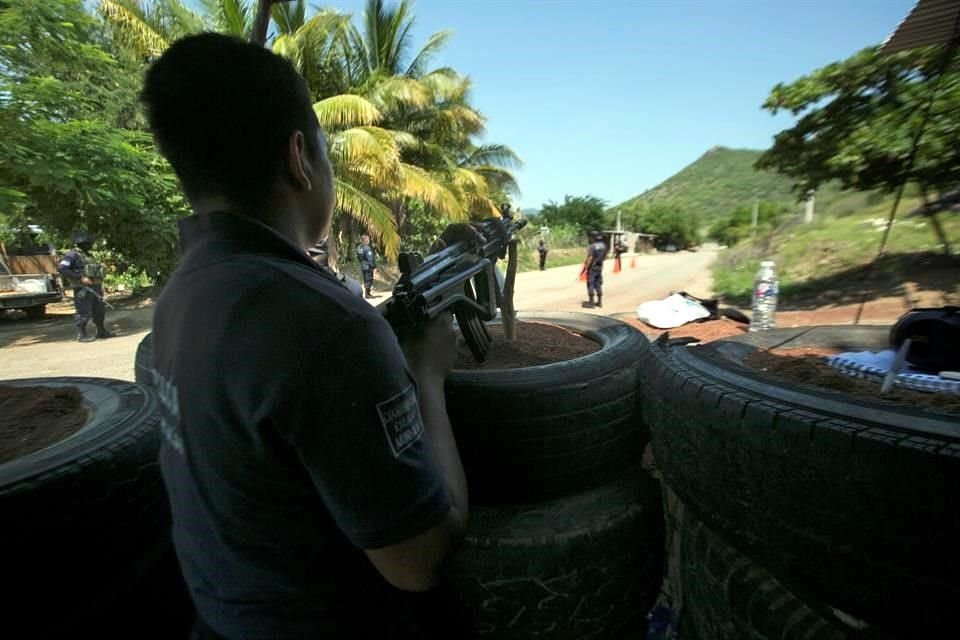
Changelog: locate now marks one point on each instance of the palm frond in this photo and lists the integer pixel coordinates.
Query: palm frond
(289, 16)
(402, 92)
(182, 19)
(133, 26)
(371, 213)
(344, 111)
(234, 17)
(498, 177)
(446, 84)
(497, 155)
(433, 44)
(419, 184)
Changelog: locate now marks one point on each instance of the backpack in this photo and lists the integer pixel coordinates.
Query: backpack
(934, 335)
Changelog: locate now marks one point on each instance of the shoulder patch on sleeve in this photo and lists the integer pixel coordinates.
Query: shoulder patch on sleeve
(400, 417)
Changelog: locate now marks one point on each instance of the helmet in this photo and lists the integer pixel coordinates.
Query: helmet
(596, 235)
(83, 238)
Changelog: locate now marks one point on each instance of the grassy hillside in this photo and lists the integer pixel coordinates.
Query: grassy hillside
(719, 181)
(826, 262)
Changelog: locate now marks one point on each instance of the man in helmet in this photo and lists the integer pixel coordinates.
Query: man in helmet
(596, 253)
(86, 278)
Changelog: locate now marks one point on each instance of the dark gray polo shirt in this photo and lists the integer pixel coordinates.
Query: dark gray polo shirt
(293, 439)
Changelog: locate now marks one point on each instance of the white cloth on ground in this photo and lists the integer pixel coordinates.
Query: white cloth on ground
(673, 311)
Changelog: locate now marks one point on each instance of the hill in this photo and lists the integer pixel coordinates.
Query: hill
(718, 182)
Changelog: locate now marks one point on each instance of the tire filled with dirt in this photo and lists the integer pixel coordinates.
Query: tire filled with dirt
(534, 433)
(565, 538)
(86, 520)
(587, 565)
(844, 500)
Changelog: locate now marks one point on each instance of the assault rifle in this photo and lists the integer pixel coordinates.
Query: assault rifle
(461, 278)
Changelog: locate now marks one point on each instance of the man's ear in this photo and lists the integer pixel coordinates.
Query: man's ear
(298, 161)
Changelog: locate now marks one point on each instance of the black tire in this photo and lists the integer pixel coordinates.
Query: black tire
(727, 596)
(86, 519)
(143, 361)
(534, 433)
(37, 312)
(585, 566)
(846, 501)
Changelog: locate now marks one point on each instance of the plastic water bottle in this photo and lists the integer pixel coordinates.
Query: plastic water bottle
(766, 288)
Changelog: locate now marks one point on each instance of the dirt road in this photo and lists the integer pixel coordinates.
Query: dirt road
(47, 347)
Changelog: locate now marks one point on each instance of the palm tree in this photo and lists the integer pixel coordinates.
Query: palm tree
(395, 130)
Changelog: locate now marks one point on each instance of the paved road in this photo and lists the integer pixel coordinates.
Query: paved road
(47, 347)
(644, 277)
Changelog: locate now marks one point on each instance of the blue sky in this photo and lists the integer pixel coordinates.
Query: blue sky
(613, 96)
(610, 97)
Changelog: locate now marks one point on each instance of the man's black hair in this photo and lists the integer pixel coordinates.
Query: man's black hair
(222, 111)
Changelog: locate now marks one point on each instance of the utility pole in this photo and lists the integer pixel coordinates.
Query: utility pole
(808, 213)
(756, 213)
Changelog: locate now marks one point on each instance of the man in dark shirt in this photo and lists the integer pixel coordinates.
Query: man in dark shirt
(542, 250)
(593, 265)
(86, 278)
(367, 263)
(313, 476)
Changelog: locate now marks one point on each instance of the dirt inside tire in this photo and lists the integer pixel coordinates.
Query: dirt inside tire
(536, 344)
(807, 365)
(32, 418)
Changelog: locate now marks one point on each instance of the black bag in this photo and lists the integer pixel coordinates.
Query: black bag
(935, 338)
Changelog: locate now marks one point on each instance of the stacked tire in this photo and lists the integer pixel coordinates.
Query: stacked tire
(850, 504)
(566, 531)
(86, 527)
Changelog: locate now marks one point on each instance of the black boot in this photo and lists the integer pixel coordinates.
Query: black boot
(599, 301)
(102, 333)
(367, 294)
(82, 334)
(589, 304)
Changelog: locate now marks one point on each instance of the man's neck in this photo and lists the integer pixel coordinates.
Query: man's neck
(283, 225)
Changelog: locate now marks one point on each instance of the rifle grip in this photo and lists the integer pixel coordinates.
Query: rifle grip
(474, 332)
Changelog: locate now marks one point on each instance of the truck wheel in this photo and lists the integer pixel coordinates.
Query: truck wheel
(846, 501)
(37, 312)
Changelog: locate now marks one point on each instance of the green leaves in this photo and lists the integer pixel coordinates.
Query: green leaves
(859, 118)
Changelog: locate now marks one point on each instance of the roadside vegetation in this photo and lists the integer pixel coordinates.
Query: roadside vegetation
(404, 136)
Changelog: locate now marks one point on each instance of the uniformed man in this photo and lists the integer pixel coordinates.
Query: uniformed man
(85, 275)
(593, 265)
(367, 263)
(313, 476)
(542, 250)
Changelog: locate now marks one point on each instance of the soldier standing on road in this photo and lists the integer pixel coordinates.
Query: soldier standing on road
(367, 263)
(596, 253)
(86, 278)
(542, 249)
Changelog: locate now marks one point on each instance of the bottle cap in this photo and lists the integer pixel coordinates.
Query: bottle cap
(767, 263)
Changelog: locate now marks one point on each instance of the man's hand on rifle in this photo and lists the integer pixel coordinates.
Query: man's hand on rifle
(458, 232)
(84, 280)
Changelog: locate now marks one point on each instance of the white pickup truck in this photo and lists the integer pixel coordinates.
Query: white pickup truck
(29, 292)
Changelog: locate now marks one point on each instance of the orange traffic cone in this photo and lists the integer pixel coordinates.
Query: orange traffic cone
(583, 273)
(616, 264)
(633, 262)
